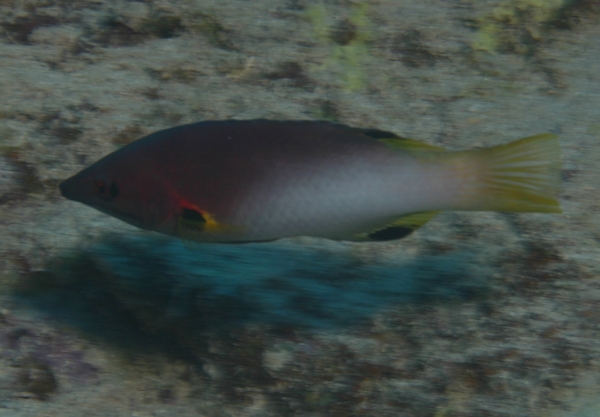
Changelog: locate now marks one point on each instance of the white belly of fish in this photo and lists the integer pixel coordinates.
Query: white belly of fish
(338, 201)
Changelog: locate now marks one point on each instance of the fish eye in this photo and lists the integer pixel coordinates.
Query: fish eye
(107, 191)
(100, 187)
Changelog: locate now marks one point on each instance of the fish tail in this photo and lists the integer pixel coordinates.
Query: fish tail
(521, 176)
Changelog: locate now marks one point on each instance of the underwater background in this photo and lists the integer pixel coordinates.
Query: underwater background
(475, 314)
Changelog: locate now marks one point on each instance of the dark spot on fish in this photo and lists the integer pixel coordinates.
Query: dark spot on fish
(192, 216)
(390, 233)
(106, 191)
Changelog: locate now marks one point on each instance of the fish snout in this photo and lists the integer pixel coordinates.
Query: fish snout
(69, 189)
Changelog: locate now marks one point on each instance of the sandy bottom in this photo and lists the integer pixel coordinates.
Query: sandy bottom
(476, 314)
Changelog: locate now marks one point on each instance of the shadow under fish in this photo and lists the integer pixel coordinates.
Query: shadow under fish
(159, 287)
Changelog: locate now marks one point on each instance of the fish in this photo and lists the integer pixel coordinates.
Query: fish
(236, 181)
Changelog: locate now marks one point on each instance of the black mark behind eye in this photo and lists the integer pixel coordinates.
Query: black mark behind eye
(192, 216)
(100, 187)
(107, 191)
(191, 223)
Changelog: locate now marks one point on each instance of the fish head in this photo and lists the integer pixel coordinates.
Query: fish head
(121, 187)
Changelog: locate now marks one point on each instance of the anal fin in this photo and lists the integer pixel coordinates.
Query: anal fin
(399, 228)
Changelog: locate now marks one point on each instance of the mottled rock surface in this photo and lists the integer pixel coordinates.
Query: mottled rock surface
(476, 314)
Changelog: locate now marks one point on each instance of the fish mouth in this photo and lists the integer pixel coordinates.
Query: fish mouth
(69, 189)
(65, 190)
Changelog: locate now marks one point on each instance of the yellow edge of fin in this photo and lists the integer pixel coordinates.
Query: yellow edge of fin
(391, 231)
(521, 176)
(406, 144)
(415, 220)
(203, 228)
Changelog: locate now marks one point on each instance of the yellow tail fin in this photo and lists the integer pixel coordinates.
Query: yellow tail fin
(522, 176)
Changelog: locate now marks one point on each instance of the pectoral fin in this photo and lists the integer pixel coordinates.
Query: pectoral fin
(198, 225)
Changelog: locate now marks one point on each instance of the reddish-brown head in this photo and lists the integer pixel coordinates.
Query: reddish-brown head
(124, 187)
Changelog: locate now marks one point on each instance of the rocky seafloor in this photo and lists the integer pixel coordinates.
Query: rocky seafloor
(475, 314)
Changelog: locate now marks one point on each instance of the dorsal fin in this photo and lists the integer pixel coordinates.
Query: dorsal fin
(398, 142)
(377, 134)
(410, 145)
(399, 228)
